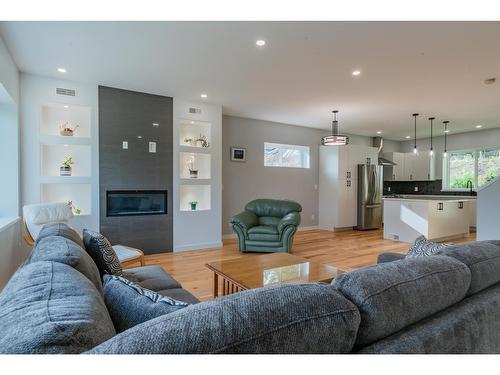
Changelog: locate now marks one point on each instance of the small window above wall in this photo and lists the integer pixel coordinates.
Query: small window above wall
(287, 156)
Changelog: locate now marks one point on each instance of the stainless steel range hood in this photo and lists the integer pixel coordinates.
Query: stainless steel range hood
(379, 143)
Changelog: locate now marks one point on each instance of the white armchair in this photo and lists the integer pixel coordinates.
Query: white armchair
(35, 216)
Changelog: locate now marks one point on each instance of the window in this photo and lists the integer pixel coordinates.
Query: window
(476, 166)
(290, 156)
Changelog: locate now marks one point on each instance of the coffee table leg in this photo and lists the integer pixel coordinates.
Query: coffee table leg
(216, 285)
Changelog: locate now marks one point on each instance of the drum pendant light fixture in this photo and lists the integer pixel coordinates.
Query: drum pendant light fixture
(445, 153)
(335, 139)
(431, 152)
(415, 115)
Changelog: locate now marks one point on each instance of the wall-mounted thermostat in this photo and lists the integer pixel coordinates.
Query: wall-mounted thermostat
(152, 146)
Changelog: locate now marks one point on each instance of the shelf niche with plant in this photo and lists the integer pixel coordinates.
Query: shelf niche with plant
(195, 134)
(195, 197)
(56, 156)
(64, 120)
(194, 166)
(78, 194)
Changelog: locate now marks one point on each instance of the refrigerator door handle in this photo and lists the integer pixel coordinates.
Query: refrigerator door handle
(372, 205)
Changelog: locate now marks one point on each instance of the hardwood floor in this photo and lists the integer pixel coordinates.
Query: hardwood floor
(347, 250)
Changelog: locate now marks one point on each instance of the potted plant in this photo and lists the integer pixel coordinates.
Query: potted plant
(66, 131)
(193, 205)
(65, 169)
(75, 210)
(193, 173)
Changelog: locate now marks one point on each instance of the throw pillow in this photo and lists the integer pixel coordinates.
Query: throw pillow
(422, 247)
(130, 304)
(102, 253)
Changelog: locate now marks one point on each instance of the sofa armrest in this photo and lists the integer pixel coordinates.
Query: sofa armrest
(245, 220)
(389, 257)
(293, 218)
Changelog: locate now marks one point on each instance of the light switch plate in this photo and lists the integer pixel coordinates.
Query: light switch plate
(416, 188)
(125, 145)
(152, 147)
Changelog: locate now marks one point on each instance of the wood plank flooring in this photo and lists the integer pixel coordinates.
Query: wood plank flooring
(346, 250)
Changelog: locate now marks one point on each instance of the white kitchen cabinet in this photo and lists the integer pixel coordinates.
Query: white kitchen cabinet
(338, 176)
(410, 166)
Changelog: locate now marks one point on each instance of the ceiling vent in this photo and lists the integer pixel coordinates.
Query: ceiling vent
(194, 110)
(67, 92)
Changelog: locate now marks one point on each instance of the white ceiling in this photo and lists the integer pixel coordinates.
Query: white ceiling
(304, 71)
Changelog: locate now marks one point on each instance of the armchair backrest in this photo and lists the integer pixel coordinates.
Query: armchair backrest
(35, 216)
(272, 207)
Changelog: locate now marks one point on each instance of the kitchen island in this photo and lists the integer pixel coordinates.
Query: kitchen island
(437, 217)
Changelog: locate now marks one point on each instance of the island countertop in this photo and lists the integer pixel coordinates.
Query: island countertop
(420, 198)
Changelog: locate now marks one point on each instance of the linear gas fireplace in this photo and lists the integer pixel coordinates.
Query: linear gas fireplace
(136, 202)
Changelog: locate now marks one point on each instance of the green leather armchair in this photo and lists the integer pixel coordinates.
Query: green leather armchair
(267, 225)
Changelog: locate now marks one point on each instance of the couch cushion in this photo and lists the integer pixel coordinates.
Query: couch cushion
(151, 277)
(309, 318)
(483, 260)
(272, 207)
(62, 230)
(49, 307)
(129, 304)
(263, 233)
(471, 326)
(179, 294)
(102, 253)
(391, 296)
(61, 250)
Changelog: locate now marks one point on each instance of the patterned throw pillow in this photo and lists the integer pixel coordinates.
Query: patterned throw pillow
(102, 253)
(130, 304)
(422, 247)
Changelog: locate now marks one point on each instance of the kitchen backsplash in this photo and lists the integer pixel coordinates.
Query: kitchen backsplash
(424, 187)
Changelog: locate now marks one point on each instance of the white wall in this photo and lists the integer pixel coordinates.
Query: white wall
(463, 141)
(488, 207)
(244, 182)
(199, 229)
(35, 92)
(12, 253)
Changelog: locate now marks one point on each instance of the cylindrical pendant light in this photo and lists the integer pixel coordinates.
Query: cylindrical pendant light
(415, 128)
(335, 139)
(431, 152)
(445, 153)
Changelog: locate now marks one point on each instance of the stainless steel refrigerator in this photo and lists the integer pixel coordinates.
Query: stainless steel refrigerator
(370, 187)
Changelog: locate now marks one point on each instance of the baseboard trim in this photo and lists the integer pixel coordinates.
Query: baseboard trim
(198, 246)
(301, 229)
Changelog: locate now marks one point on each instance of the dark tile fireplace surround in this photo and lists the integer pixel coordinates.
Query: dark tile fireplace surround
(135, 184)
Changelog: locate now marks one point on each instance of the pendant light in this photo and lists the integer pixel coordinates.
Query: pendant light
(415, 138)
(445, 153)
(431, 152)
(335, 139)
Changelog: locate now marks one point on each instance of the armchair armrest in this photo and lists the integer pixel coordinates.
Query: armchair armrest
(245, 219)
(293, 218)
(389, 257)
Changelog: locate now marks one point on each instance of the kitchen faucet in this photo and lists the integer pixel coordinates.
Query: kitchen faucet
(470, 188)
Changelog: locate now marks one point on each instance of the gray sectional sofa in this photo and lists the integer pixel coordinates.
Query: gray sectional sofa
(447, 303)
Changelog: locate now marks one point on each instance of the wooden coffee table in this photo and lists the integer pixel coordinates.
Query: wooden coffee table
(269, 269)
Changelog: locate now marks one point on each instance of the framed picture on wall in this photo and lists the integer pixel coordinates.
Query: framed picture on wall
(238, 154)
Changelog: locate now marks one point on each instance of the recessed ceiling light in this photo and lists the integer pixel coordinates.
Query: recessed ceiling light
(408, 137)
(61, 70)
(139, 136)
(356, 72)
(66, 106)
(479, 126)
(204, 96)
(260, 43)
(379, 132)
(192, 122)
(155, 124)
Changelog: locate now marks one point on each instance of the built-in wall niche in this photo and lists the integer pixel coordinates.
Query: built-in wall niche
(53, 155)
(195, 193)
(54, 117)
(195, 133)
(194, 165)
(79, 194)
